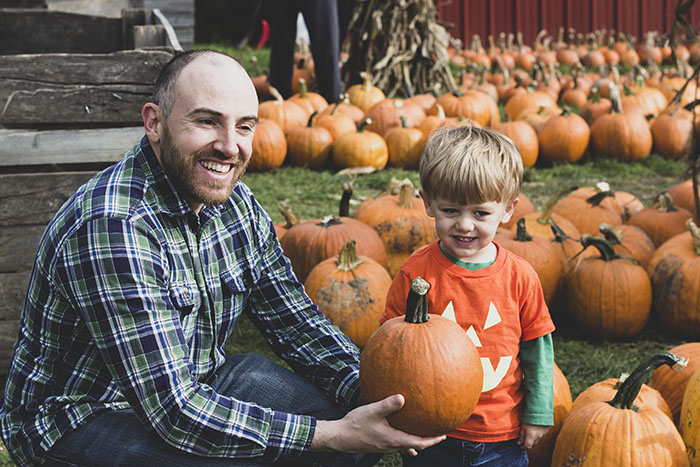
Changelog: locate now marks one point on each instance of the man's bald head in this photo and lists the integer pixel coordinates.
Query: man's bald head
(164, 87)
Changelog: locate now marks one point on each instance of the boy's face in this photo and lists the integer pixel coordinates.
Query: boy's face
(466, 231)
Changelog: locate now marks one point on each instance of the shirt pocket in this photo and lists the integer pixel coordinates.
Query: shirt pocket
(185, 297)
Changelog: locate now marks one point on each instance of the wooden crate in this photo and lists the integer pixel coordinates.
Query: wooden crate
(71, 91)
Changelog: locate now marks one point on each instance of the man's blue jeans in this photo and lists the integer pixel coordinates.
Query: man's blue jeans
(455, 452)
(118, 438)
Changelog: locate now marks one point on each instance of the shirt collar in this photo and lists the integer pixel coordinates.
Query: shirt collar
(167, 197)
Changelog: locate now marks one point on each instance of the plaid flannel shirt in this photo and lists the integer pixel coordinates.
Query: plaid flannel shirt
(131, 300)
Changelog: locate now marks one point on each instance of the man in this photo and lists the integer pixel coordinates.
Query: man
(138, 281)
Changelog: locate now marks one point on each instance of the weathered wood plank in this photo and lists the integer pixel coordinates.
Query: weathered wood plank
(78, 89)
(84, 105)
(126, 67)
(13, 289)
(36, 30)
(18, 245)
(39, 147)
(33, 199)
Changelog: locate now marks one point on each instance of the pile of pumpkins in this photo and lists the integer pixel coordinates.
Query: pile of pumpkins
(617, 261)
(553, 117)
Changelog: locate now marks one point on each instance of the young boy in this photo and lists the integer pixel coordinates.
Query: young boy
(471, 179)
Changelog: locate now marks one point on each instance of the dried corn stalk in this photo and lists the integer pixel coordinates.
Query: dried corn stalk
(402, 45)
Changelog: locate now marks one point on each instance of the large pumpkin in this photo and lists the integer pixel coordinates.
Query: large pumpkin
(269, 146)
(309, 242)
(365, 95)
(428, 359)
(661, 221)
(630, 241)
(361, 148)
(401, 222)
(671, 384)
(540, 252)
(616, 433)
(605, 390)
(539, 222)
(682, 196)
(309, 146)
(621, 135)
(587, 209)
(608, 296)
(675, 277)
(564, 138)
(524, 137)
(286, 113)
(351, 291)
(405, 145)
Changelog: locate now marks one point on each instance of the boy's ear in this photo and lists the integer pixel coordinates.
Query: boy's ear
(426, 203)
(509, 210)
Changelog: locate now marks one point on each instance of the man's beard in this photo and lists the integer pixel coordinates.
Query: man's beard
(180, 169)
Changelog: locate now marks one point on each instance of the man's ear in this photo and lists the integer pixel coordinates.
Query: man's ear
(509, 210)
(426, 203)
(151, 115)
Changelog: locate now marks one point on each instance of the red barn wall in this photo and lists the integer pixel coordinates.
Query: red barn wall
(492, 17)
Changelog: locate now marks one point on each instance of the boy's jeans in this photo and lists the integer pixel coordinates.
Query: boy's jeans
(118, 438)
(455, 452)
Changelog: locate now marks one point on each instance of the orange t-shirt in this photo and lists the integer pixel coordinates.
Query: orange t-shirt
(498, 307)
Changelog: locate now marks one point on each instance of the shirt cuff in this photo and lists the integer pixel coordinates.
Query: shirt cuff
(290, 435)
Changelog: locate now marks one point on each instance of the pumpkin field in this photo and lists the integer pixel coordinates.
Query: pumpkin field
(606, 128)
(606, 136)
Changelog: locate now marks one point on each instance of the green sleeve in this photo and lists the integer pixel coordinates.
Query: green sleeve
(537, 363)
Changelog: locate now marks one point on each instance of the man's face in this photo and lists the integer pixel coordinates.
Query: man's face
(206, 141)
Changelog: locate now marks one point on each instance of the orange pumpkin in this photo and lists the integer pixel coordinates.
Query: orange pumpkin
(309, 146)
(540, 252)
(286, 113)
(309, 242)
(672, 132)
(616, 433)
(365, 95)
(530, 99)
(335, 122)
(607, 296)
(428, 359)
(269, 146)
(310, 101)
(351, 291)
(674, 271)
(682, 196)
(401, 222)
(405, 145)
(360, 148)
(661, 221)
(587, 209)
(605, 390)
(539, 223)
(621, 135)
(524, 137)
(671, 384)
(386, 114)
(630, 241)
(564, 138)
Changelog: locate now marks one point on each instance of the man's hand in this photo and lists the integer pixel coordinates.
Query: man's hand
(365, 429)
(531, 434)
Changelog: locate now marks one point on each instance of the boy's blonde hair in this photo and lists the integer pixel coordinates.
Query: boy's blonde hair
(470, 165)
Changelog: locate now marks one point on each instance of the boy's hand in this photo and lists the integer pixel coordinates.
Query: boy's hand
(531, 434)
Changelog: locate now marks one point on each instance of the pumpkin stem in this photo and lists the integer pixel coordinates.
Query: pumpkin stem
(664, 203)
(546, 216)
(611, 235)
(629, 389)
(416, 302)
(310, 123)
(334, 112)
(366, 80)
(615, 98)
(404, 123)
(303, 89)
(406, 194)
(363, 124)
(598, 198)
(345, 200)
(289, 216)
(607, 252)
(440, 111)
(329, 221)
(695, 234)
(347, 256)
(279, 100)
(521, 234)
